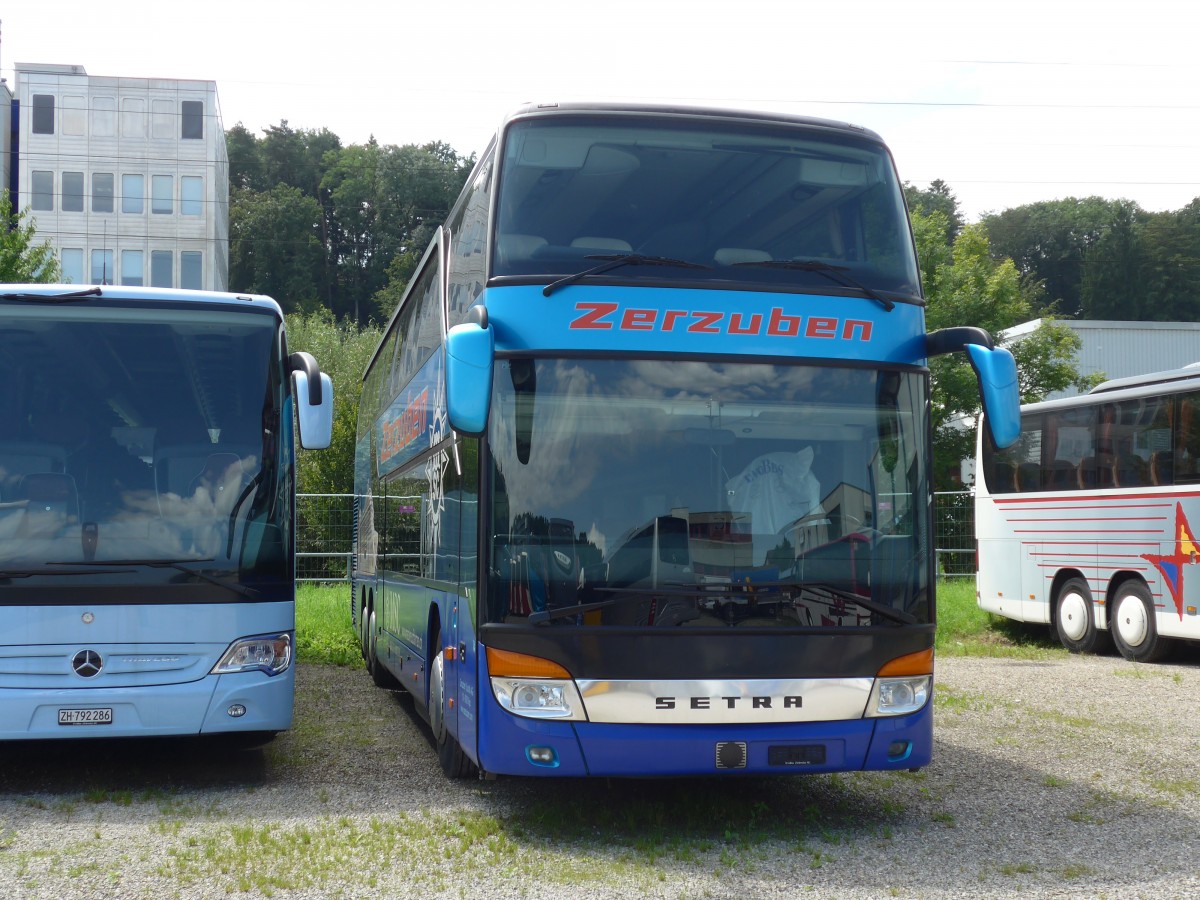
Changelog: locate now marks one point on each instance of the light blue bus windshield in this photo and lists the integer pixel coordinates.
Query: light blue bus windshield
(141, 452)
(656, 493)
(714, 201)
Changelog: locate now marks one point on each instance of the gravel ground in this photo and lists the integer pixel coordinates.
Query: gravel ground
(1071, 777)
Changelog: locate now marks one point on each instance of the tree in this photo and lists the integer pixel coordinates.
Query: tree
(22, 259)
(965, 285)
(275, 246)
(938, 198)
(343, 351)
(1050, 241)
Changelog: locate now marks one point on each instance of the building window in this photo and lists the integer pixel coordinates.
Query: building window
(162, 119)
(161, 274)
(190, 275)
(43, 114)
(132, 265)
(133, 117)
(133, 194)
(102, 192)
(162, 189)
(102, 267)
(193, 120)
(191, 190)
(71, 259)
(43, 191)
(72, 192)
(104, 116)
(74, 115)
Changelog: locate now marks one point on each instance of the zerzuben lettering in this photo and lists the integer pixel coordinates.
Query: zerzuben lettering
(600, 316)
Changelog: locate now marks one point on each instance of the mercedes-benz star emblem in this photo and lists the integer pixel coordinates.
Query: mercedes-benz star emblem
(87, 663)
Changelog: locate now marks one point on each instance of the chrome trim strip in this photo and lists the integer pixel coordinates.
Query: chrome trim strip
(725, 702)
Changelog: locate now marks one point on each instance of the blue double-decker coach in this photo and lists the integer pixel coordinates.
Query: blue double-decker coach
(643, 460)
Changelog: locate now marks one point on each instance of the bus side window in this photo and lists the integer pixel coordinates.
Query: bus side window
(1187, 440)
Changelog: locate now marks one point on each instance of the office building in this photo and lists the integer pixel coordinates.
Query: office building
(127, 178)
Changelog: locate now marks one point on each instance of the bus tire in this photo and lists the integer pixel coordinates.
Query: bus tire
(379, 672)
(453, 761)
(1131, 620)
(1074, 619)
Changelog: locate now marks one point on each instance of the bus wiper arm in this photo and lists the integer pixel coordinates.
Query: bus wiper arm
(67, 297)
(177, 564)
(546, 615)
(26, 573)
(616, 260)
(830, 271)
(888, 612)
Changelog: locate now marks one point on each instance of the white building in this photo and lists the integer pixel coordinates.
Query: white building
(6, 166)
(1124, 349)
(127, 178)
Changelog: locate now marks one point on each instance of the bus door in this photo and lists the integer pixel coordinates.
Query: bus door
(456, 560)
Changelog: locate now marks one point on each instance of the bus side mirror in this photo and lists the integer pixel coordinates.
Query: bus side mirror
(470, 351)
(996, 371)
(313, 392)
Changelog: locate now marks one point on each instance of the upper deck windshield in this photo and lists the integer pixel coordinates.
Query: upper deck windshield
(701, 494)
(140, 447)
(715, 202)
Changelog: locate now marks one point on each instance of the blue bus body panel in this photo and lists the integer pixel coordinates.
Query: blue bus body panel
(154, 673)
(592, 749)
(582, 317)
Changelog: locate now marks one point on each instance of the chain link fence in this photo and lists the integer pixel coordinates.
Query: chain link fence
(954, 533)
(324, 536)
(325, 533)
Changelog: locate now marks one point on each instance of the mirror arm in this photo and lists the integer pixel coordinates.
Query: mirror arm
(305, 363)
(954, 340)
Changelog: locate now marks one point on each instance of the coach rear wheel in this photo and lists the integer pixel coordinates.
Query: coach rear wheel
(1074, 621)
(453, 761)
(1131, 621)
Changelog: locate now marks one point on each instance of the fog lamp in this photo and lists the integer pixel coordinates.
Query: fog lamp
(542, 756)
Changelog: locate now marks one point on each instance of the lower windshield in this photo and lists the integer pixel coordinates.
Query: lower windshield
(140, 447)
(702, 494)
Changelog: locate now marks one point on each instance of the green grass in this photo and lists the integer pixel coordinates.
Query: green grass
(964, 629)
(323, 631)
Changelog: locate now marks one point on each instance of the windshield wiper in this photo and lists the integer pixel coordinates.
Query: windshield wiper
(616, 260)
(830, 271)
(66, 297)
(178, 565)
(26, 573)
(720, 591)
(546, 615)
(866, 603)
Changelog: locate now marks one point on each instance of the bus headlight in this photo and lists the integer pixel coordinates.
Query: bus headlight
(538, 699)
(270, 653)
(899, 696)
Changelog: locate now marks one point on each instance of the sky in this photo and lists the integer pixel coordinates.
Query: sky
(1007, 102)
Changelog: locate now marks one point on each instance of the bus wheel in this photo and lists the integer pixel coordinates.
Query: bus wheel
(1131, 619)
(379, 673)
(1074, 620)
(453, 761)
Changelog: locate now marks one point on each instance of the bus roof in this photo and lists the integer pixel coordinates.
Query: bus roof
(129, 292)
(535, 110)
(1187, 373)
(1150, 385)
